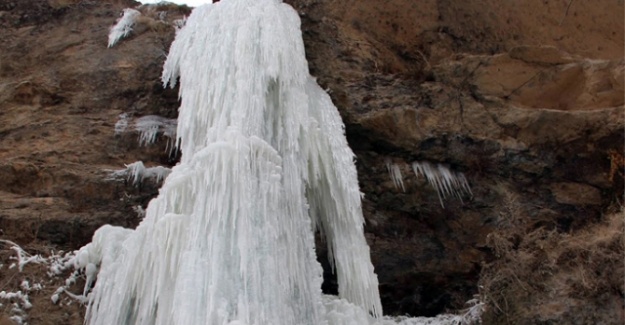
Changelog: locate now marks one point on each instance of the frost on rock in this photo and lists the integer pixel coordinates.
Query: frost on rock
(229, 239)
(124, 26)
(446, 182)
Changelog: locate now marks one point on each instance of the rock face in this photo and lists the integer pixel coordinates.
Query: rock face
(61, 93)
(524, 99)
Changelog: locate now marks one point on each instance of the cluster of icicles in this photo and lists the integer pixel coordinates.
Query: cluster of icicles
(446, 182)
(265, 164)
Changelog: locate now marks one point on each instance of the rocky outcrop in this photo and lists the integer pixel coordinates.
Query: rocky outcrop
(525, 100)
(61, 93)
(529, 107)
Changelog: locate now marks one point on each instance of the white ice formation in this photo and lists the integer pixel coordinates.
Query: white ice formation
(229, 239)
(446, 182)
(264, 164)
(150, 126)
(123, 27)
(137, 173)
(341, 312)
(23, 257)
(396, 176)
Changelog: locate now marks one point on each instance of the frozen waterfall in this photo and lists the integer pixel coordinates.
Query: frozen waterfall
(265, 164)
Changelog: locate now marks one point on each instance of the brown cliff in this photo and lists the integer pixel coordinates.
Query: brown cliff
(525, 99)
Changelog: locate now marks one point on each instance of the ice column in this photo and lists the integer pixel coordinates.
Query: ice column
(265, 163)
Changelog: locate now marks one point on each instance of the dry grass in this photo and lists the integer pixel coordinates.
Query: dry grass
(543, 276)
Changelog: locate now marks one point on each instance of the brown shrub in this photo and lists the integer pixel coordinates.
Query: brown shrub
(543, 276)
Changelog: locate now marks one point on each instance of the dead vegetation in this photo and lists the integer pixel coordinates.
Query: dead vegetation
(35, 281)
(541, 275)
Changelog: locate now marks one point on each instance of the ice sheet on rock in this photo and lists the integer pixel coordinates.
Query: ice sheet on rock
(101, 253)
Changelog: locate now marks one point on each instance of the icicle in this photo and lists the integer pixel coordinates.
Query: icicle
(150, 125)
(335, 202)
(395, 173)
(443, 180)
(137, 173)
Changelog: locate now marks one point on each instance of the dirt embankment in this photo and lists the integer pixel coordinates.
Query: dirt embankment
(525, 99)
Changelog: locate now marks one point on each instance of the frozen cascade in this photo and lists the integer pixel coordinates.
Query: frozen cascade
(265, 164)
(229, 239)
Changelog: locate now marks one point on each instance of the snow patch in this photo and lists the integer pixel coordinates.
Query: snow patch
(179, 23)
